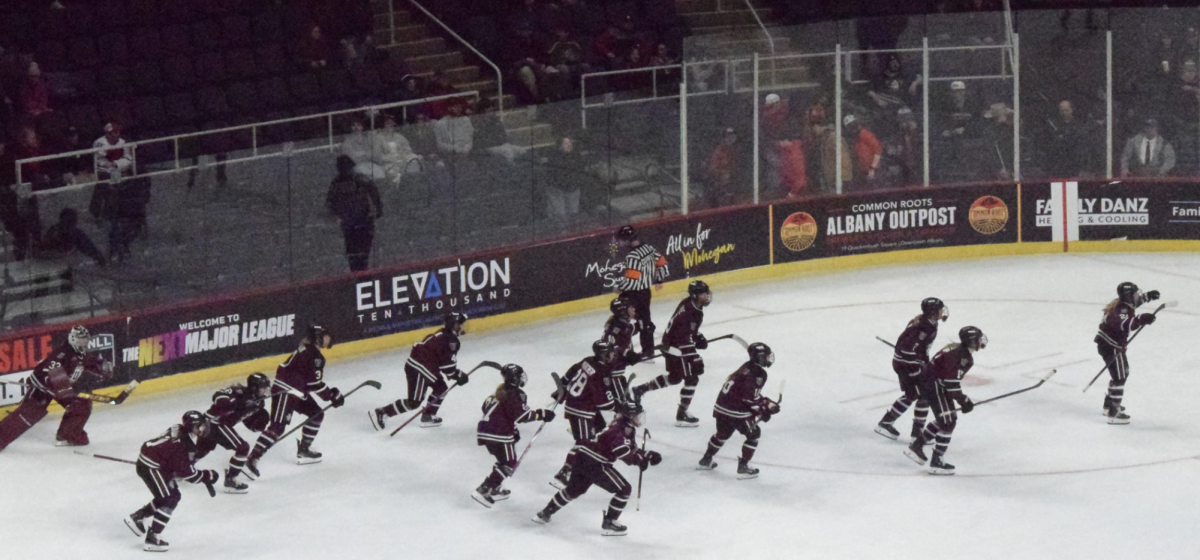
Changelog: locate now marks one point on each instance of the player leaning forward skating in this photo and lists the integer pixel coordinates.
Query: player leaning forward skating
(740, 407)
(681, 341)
(941, 386)
(1120, 319)
(589, 389)
(497, 431)
(237, 404)
(909, 360)
(618, 331)
(298, 383)
(431, 362)
(163, 460)
(594, 465)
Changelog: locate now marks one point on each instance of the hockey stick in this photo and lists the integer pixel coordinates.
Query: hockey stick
(562, 393)
(367, 383)
(422, 410)
(1164, 305)
(1018, 391)
(645, 436)
(106, 399)
(885, 342)
(105, 457)
(733, 337)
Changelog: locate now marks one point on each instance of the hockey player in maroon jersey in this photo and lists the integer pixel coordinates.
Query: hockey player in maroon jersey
(1120, 320)
(297, 381)
(740, 406)
(681, 340)
(595, 466)
(237, 404)
(58, 378)
(910, 358)
(431, 362)
(619, 331)
(941, 386)
(163, 460)
(589, 390)
(498, 432)
(644, 267)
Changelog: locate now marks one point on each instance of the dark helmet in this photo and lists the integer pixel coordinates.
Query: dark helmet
(604, 351)
(972, 338)
(625, 234)
(698, 287)
(514, 376)
(195, 423)
(933, 307)
(1127, 292)
(259, 383)
(345, 165)
(454, 319)
(761, 355)
(317, 334)
(619, 308)
(632, 412)
(79, 338)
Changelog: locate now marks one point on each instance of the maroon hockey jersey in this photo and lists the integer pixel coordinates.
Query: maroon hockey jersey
(303, 373)
(588, 387)
(501, 413)
(948, 368)
(1120, 319)
(683, 328)
(437, 352)
(173, 454)
(913, 346)
(66, 370)
(235, 404)
(741, 396)
(615, 443)
(620, 335)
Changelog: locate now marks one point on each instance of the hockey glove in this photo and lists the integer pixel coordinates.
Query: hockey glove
(772, 407)
(547, 415)
(209, 476)
(764, 417)
(461, 378)
(701, 342)
(650, 459)
(1152, 295)
(967, 404)
(1146, 318)
(632, 357)
(338, 399)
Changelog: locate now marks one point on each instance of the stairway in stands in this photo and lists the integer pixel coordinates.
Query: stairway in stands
(728, 29)
(418, 42)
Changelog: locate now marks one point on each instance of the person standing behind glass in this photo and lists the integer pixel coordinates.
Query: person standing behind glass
(355, 202)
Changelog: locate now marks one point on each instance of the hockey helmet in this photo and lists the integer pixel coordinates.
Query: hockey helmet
(320, 336)
(698, 289)
(604, 351)
(1128, 292)
(195, 423)
(514, 376)
(78, 338)
(620, 308)
(454, 320)
(761, 355)
(259, 383)
(625, 234)
(972, 338)
(633, 413)
(934, 307)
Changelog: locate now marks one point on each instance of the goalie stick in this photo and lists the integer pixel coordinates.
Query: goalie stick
(485, 363)
(1164, 305)
(368, 383)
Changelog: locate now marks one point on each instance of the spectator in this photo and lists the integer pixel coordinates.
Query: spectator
(894, 88)
(793, 168)
(999, 141)
(423, 139)
(76, 169)
(957, 118)
(526, 60)
(565, 173)
(612, 45)
(410, 90)
(829, 167)
(313, 51)
(723, 166)
(33, 99)
(360, 149)
(663, 57)
(439, 85)
(866, 149)
(454, 133)
(129, 216)
(1066, 154)
(393, 153)
(567, 58)
(356, 204)
(490, 134)
(65, 237)
(112, 159)
(775, 117)
(904, 163)
(1147, 154)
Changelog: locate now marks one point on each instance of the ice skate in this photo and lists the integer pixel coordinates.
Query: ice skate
(541, 518)
(916, 452)
(377, 417)
(611, 528)
(483, 495)
(706, 464)
(499, 494)
(234, 486)
(561, 479)
(887, 431)
(134, 522)
(939, 467)
(305, 455)
(154, 544)
(251, 469)
(1120, 418)
(430, 421)
(685, 420)
(745, 471)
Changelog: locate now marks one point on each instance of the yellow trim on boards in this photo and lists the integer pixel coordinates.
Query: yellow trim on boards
(339, 352)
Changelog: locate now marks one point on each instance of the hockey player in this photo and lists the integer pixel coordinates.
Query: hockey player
(1120, 319)
(643, 266)
(595, 466)
(908, 361)
(431, 362)
(589, 390)
(740, 406)
(681, 340)
(498, 432)
(619, 331)
(56, 378)
(297, 380)
(940, 385)
(164, 459)
(237, 404)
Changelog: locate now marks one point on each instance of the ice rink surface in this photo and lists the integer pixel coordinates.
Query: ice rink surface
(1040, 475)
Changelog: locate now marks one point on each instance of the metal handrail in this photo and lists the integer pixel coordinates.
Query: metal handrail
(253, 128)
(499, 74)
(770, 39)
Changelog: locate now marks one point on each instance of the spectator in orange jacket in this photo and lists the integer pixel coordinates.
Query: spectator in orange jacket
(793, 167)
(867, 151)
(722, 165)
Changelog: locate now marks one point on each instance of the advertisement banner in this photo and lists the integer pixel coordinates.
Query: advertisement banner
(18, 357)
(895, 220)
(1105, 210)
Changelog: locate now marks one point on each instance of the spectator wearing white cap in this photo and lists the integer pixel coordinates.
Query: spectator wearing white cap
(957, 118)
(112, 157)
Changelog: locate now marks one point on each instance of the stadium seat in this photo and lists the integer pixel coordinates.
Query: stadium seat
(111, 15)
(367, 80)
(273, 92)
(180, 72)
(243, 96)
(149, 115)
(212, 103)
(52, 55)
(86, 119)
(83, 83)
(113, 50)
(177, 40)
(236, 32)
(241, 65)
(180, 109)
(80, 16)
(210, 68)
(148, 77)
(207, 36)
(51, 25)
(335, 84)
(305, 89)
(145, 44)
(271, 60)
(116, 110)
(267, 27)
(116, 81)
(82, 53)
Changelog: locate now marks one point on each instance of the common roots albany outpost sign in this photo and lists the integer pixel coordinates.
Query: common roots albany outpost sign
(895, 220)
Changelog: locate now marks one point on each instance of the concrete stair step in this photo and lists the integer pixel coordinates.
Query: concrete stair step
(727, 18)
(482, 86)
(399, 17)
(404, 34)
(690, 6)
(538, 135)
(518, 118)
(407, 49)
(430, 62)
(462, 77)
(55, 308)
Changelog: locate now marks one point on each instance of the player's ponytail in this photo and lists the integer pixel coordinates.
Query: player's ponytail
(1108, 308)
